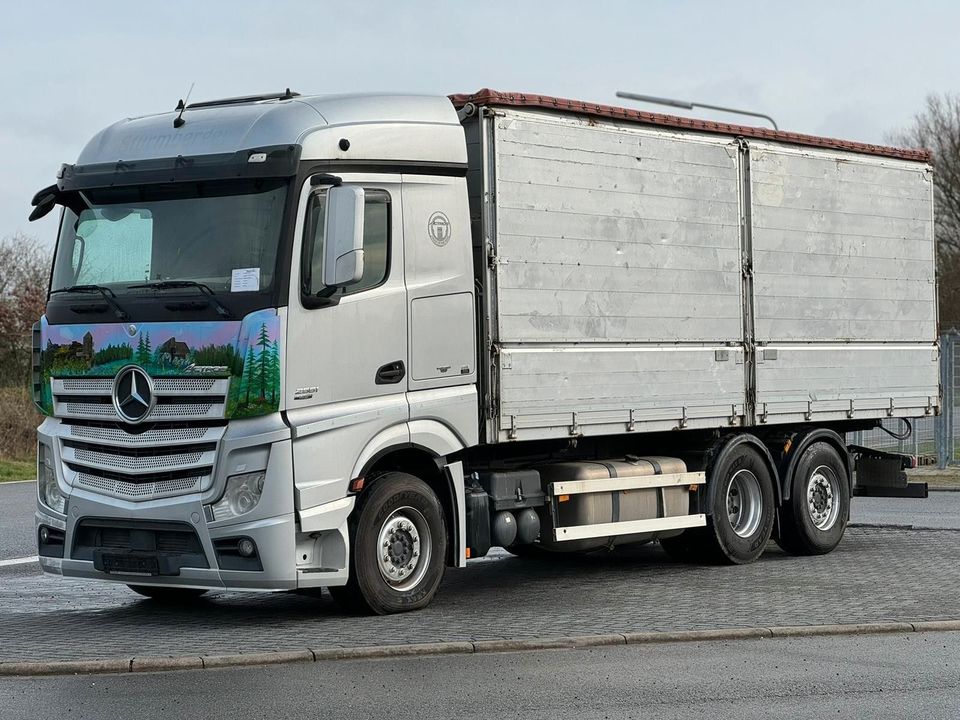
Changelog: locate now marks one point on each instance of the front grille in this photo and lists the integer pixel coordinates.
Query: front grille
(172, 452)
(177, 398)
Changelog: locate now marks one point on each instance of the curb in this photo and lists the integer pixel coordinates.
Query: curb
(209, 662)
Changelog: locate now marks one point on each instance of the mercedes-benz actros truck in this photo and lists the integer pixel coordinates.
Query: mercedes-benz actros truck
(348, 341)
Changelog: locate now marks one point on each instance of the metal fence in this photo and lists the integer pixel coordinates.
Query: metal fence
(932, 436)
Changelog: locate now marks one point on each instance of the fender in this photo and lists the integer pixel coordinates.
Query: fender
(435, 440)
(800, 442)
(432, 436)
(726, 446)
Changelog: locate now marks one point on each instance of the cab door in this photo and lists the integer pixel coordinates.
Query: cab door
(346, 354)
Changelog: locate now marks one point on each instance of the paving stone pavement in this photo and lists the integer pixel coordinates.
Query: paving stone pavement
(877, 574)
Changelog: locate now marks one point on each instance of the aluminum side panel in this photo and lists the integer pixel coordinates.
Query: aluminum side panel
(837, 382)
(563, 391)
(843, 248)
(611, 234)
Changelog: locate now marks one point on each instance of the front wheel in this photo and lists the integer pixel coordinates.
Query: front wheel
(813, 521)
(398, 548)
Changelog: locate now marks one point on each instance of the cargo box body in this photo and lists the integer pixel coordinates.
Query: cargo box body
(638, 278)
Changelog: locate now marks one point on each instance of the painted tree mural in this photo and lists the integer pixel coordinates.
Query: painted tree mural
(247, 352)
(257, 385)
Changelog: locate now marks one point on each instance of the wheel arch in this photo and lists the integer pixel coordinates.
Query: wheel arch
(425, 456)
(799, 443)
(726, 446)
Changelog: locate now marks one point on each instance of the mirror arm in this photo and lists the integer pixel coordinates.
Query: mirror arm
(326, 179)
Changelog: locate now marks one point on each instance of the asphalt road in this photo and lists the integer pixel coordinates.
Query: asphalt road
(896, 676)
(17, 504)
(940, 510)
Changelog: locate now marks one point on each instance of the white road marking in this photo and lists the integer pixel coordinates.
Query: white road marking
(17, 482)
(19, 561)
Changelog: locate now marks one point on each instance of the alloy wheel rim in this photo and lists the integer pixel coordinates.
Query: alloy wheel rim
(744, 503)
(404, 547)
(823, 491)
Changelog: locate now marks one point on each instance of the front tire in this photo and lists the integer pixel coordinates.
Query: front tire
(813, 521)
(398, 542)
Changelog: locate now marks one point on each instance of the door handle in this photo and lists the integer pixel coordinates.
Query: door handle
(391, 373)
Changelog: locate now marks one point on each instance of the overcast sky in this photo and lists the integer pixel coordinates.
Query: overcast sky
(850, 69)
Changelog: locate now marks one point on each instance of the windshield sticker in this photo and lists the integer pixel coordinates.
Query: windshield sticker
(245, 279)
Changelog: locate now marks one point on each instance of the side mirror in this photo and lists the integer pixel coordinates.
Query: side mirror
(343, 237)
(44, 201)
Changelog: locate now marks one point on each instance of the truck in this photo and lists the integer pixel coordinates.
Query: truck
(345, 342)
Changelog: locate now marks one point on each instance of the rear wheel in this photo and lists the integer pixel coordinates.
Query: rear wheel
(813, 521)
(168, 595)
(398, 548)
(741, 514)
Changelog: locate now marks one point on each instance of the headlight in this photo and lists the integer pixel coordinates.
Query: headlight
(240, 496)
(48, 488)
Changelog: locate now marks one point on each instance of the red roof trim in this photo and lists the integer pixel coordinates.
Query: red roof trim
(495, 98)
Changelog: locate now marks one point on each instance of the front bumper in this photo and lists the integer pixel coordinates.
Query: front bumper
(129, 531)
(273, 538)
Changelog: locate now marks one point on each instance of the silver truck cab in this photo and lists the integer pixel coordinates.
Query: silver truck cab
(149, 451)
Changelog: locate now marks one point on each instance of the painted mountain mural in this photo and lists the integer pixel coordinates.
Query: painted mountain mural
(247, 351)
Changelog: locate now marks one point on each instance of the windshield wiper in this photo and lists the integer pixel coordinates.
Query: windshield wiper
(174, 284)
(105, 292)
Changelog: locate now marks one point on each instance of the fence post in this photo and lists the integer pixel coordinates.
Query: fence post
(943, 424)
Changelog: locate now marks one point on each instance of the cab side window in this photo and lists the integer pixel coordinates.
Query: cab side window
(376, 243)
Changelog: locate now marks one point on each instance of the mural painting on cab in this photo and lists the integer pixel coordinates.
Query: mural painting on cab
(248, 352)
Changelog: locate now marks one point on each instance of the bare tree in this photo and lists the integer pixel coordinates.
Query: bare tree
(24, 271)
(937, 128)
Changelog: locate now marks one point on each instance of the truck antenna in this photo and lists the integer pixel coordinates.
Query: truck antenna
(178, 121)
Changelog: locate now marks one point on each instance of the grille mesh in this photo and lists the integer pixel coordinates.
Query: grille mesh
(138, 490)
(165, 385)
(100, 385)
(181, 410)
(150, 437)
(99, 409)
(184, 385)
(127, 462)
(166, 410)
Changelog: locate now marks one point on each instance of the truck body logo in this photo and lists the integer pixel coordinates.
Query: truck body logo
(438, 228)
(133, 394)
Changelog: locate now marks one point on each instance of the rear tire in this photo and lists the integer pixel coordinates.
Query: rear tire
(813, 521)
(398, 548)
(741, 521)
(168, 595)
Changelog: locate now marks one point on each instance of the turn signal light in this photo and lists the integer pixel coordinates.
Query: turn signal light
(356, 485)
(563, 498)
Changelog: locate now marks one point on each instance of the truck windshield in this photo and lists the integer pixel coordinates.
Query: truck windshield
(222, 234)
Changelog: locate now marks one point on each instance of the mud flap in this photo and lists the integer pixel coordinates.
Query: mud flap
(881, 474)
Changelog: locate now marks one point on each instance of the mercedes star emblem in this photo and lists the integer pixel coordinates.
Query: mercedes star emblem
(133, 394)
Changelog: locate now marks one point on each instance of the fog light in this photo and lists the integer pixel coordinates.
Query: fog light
(44, 534)
(246, 548)
(241, 495)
